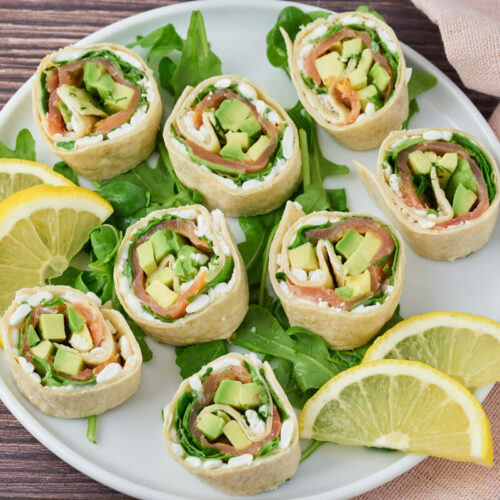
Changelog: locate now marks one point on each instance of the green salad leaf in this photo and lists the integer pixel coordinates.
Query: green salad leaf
(24, 149)
(92, 428)
(368, 10)
(193, 358)
(63, 168)
(418, 84)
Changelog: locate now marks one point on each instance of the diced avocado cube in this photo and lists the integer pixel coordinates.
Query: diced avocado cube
(352, 47)
(52, 327)
(359, 284)
(75, 320)
(258, 148)
(165, 242)
(369, 94)
(164, 275)
(303, 257)
(355, 264)
(433, 157)
(446, 166)
(211, 425)
(161, 294)
(462, 175)
(345, 292)
(250, 126)
(419, 162)
(236, 436)
(330, 65)
(349, 243)
(78, 100)
(380, 77)
(67, 362)
(82, 340)
(228, 393)
(369, 246)
(463, 200)
(193, 253)
(97, 80)
(65, 112)
(120, 98)
(43, 350)
(236, 143)
(358, 79)
(232, 113)
(365, 61)
(250, 395)
(146, 257)
(33, 338)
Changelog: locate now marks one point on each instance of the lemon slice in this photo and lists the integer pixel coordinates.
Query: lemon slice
(16, 175)
(464, 346)
(41, 229)
(404, 405)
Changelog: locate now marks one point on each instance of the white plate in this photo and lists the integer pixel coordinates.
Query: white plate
(131, 456)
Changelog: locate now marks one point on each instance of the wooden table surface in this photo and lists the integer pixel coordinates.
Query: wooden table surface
(30, 29)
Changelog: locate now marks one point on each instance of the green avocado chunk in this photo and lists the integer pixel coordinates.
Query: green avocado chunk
(211, 425)
(345, 292)
(166, 242)
(250, 126)
(303, 257)
(43, 350)
(380, 77)
(250, 395)
(349, 243)
(236, 436)
(146, 257)
(79, 100)
(258, 148)
(52, 327)
(232, 113)
(236, 143)
(355, 264)
(462, 175)
(352, 47)
(369, 94)
(365, 60)
(463, 200)
(120, 98)
(228, 393)
(97, 80)
(67, 362)
(33, 338)
(75, 320)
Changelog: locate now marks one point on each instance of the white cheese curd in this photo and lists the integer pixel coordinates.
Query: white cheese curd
(68, 387)
(198, 303)
(352, 20)
(25, 365)
(394, 181)
(131, 361)
(212, 463)
(370, 24)
(80, 343)
(245, 459)
(254, 422)
(71, 297)
(319, 31)
(127, 58)
(94, 298)
(125, 350)
(177, 449)
(19, 314)
(263, 409)
(273, 117)
(362, 308)
(224, 247)
(34, 376)
(287, 143)
(195, 383)
(426, 224)
(36, 299)
(370, 109)
(303, 54)
(126, 127)
(388, 289)
(323, 304)
(246, 90)
(250, 184)
(193, 461)
(15, 338)
(284, 288)
(260, 106)
(203, 227)
(198, 257)
(97, 351)
(138, 116)
(286, 434)
(387, 39)
(179, 146)
(432, 135)
(187, 213)
(421, 212)
(317, 221)
(89, 139)
(316, 275)
(409, 71)
(300, 274)
(446, 134)
(223, 83)
(431, 216)
(224, 363)
(109, 372)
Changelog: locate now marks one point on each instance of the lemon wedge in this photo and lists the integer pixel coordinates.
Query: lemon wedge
(405, 405)
(16, 175)
(41, 229)
(464, 346)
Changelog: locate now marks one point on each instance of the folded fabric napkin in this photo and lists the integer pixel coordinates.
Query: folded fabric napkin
(471, 35)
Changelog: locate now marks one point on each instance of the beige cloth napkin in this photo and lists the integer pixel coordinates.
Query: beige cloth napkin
(439, 479)
(471, 35)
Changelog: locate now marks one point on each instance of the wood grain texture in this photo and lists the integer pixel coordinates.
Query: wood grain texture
(29, 29)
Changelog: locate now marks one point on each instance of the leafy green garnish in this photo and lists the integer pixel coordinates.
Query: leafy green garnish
(418, 84)
(24, 149)
(91, 428)
(368, 10)
(63, 168)
(69, 145)
(193, 358)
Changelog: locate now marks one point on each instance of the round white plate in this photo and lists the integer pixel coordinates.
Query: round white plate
(131, 456)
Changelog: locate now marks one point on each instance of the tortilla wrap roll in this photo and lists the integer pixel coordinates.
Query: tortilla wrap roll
(233, 427)
(440, 187)
(350, 75)
(97, 108)
(69, 357)
(180, 276)
(339, 275)
(237, 146)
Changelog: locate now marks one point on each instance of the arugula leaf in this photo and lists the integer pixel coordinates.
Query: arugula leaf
(418, 84)
(193, 358)
(125, 197)
(63, 168)
(161, 42)
(24, 149)
(105, 241)
(368, 10)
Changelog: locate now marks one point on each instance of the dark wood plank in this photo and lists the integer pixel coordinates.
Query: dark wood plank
(29, 29)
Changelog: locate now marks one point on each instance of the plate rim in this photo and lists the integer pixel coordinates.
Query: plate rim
(122, 484)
